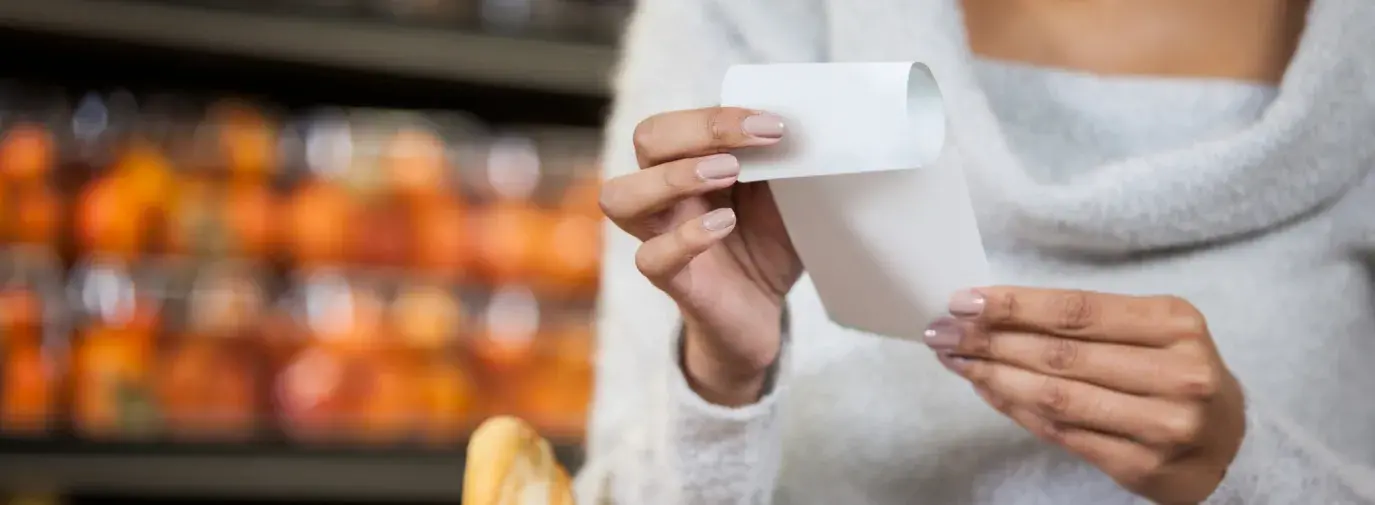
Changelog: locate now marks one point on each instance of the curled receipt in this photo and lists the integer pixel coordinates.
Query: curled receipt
(885, 233)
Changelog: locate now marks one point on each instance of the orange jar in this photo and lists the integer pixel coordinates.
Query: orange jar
(28, 400)
(416, 164)
(210, 376)
(28, 155)
(113, 357)
(512, 227)
(341, 385)
(38, 214)
(443, 238)
(250, 213)
(571, 259)
(115, 212)
(558, 391)
(512, 240)
(321, 211)
(320, 216)
(28, 152)
(429, 319)
(247, 140)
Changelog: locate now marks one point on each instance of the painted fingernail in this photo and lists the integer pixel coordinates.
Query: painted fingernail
(763, 125)
(968, 303)
(953, 363)
(719, 219)
(717, 167)
(945, 333)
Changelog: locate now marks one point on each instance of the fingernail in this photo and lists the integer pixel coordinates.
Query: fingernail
(763, 125)
(717, 167)
(953, 363)
(943, 334)
(967, 303)
(719, 219)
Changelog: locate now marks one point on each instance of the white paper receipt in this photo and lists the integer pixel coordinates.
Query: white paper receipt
(886, 234)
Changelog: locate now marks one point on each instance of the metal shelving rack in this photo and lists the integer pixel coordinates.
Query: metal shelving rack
(239, 472)
(540, 65)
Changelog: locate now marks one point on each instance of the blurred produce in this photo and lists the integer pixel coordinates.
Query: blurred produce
(556, 394)
(207, 269)
(429, 318)
(513, 226)
(116, 213)
(113, 364)
(211, 373)
(33, 361)
(28, 153)
(321, 213)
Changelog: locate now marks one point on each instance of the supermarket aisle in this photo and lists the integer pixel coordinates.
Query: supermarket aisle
(274, 280)
(349, 276)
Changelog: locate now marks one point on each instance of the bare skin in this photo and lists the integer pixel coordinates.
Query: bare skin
(719, 249)
(1249, 40)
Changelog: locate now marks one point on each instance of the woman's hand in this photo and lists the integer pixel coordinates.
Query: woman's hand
(716, 247)
(1133, 385)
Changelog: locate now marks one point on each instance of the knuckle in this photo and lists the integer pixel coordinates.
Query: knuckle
(723, 127)
(1060, 354)
(998, 403)
(716, 130)
(1052, 399)
(1181, 428)
(686, 239)
(1151, 467)
(682, 179)
(1006, 307)
(644, 138)
(1051, 432)
(1001, 404)
(976, 343)
(1185, 319)
(982, 375)
(1201, 382)
(656, 265)
(1100, 408)
(1074, 310)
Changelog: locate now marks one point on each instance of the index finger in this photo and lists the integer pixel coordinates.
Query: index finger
(699, 132)
(1155, 321)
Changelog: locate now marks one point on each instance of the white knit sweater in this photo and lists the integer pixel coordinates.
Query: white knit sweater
(1253, 218)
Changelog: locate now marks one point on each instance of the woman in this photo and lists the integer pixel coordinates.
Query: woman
(1165, 187)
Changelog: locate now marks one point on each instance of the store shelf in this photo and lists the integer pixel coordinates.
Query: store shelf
(280, 473)
(541, 65)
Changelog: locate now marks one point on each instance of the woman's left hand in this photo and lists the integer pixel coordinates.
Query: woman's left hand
(1133, 385)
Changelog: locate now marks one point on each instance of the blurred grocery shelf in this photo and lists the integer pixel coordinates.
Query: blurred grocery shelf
(238, 472)
(204, 295)
(524, 59)
(292, 251)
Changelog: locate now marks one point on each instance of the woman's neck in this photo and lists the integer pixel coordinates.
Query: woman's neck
(1238, 39)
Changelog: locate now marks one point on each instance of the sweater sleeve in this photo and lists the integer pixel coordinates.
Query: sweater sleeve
(651, 438)
(1279, 463)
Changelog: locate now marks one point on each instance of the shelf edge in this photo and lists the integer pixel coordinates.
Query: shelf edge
(561, 67)
(295, 477)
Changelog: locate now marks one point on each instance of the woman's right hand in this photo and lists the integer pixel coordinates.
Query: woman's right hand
(715, 246)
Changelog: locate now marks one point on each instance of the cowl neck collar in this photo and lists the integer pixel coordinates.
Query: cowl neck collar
(1313, 142)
